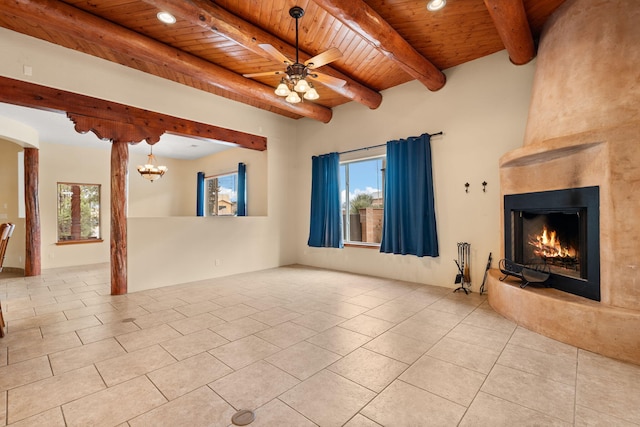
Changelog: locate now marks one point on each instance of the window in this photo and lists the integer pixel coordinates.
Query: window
(78, 213)
(221, 195)
(361, 195)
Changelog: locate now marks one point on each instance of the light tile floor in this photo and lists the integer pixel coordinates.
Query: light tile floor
(299, 346)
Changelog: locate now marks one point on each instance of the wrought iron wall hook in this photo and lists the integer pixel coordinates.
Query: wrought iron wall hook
(466, 187)
(484, 186)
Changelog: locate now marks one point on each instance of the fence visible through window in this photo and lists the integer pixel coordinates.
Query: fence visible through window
(362, 199)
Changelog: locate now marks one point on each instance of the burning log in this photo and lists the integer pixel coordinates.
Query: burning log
(548, 245)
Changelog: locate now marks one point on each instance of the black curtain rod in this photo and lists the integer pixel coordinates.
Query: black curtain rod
(379, 145)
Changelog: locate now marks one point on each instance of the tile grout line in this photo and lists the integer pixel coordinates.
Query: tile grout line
(489, 373)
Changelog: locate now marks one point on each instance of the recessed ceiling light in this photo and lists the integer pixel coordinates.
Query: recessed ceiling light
(434, 5)
(166, 17)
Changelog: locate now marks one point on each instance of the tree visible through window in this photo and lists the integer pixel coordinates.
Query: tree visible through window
(221, 195)
(361, 193)
(78, 212)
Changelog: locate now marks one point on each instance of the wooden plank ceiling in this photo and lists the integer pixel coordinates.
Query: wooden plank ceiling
(213, 43)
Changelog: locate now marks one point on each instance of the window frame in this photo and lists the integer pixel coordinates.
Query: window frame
(346, 161)
(60, 240)
(207, 179)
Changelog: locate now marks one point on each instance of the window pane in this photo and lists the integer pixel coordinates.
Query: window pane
(221, 195)
(78, 212)
(362, 200)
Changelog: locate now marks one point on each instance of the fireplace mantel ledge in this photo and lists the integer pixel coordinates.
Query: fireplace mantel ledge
(548, 150)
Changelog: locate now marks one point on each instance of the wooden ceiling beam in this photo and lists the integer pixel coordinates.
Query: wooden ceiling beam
(105, 117)
(212, 17)
(60, 17)
(362, 19)
(510, 19)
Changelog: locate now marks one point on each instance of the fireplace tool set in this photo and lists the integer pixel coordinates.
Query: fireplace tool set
(463, 263)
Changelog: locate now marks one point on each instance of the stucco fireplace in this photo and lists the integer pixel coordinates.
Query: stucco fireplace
(583, 130)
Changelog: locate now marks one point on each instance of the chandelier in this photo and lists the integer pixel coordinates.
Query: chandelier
(151, 170)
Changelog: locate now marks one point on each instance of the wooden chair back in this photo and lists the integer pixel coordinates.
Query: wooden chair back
(6, 230)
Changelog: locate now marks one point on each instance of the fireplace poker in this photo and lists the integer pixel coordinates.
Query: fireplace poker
(486, 271)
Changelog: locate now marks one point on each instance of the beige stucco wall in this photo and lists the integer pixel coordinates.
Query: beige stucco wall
(482, 111)
(588, 73)
(227, 161)
(65, 163)
(14, 136)
(14, 256)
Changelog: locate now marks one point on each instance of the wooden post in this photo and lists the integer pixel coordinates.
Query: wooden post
(32, 264)
(119, 178)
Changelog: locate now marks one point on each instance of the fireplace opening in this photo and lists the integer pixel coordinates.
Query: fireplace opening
(552, 239)
(560, 231)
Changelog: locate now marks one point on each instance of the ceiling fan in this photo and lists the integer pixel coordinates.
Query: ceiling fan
(294, 78)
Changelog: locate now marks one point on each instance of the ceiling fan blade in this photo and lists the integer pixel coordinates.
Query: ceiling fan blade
(265, 73)
(275, 53)
(323, 58)
(328, 80)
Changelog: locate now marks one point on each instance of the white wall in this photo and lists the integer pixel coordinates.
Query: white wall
(167, 251)
(227, 161)
(482, 111)
(168, 196)
(65, 163)
(269, 238)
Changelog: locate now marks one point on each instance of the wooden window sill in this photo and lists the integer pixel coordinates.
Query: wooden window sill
(78, 242)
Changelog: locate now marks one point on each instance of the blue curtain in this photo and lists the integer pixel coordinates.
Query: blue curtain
(325, 229)
(242, 190)
(200, 195)
(409, 225)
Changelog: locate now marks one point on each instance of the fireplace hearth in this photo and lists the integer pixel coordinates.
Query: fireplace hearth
(557, 231)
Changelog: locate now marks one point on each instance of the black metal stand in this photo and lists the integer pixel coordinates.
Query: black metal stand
(462, 288)
(527, 274)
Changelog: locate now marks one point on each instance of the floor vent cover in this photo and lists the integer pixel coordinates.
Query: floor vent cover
(243, 417)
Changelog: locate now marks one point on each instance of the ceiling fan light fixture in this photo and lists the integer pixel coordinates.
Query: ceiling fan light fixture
(293, 97)
(294, 86)
(166, 17)
(282, 89)
(434, 5)
(311, 94)
(301, 86)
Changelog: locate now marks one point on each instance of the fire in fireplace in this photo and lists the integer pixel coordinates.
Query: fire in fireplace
(553, 239)
(559, 230)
